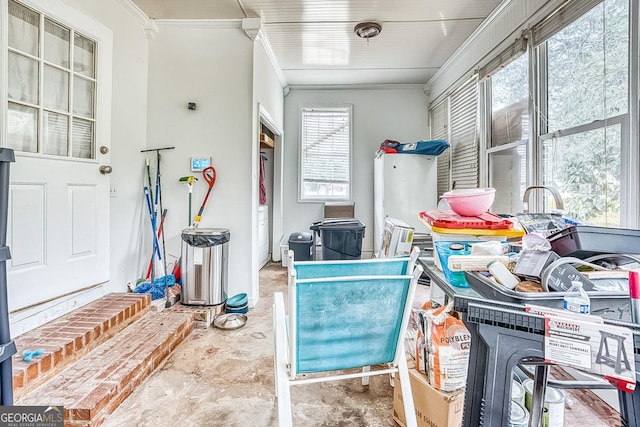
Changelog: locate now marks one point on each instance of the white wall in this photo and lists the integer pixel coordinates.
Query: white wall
(385, 113)
(212, 66)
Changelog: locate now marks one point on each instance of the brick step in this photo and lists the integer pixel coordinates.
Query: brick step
(73, 335)
(93, 387)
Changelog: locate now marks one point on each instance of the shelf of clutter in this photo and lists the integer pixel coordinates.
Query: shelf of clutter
(503, 334)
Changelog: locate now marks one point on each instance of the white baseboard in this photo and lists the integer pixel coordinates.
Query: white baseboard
(26, 320)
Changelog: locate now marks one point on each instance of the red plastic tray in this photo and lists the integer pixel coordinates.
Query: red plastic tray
(450, 219)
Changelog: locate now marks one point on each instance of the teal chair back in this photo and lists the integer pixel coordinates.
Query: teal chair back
(347, 322)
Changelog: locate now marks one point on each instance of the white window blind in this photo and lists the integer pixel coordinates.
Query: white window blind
(464, 136)
(561, 18)
(325, 153)
(439, 119)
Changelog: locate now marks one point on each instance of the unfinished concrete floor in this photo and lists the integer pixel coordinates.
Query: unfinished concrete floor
(225, 378)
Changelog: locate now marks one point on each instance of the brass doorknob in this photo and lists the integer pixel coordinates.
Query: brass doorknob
(105, 169)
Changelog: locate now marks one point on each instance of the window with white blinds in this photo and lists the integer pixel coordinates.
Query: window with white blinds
(325, 153)
(439, 119)
(464, 136)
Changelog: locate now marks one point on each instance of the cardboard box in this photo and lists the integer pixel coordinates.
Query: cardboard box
(397, 238)
(339, 210)
(433, 408)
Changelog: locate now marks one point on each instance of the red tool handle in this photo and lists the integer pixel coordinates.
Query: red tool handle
(209, 175)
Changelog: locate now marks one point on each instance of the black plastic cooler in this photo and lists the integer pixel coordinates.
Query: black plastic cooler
(341, 238)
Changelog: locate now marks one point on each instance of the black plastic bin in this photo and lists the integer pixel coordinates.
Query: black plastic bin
(341, 238)
(302, 246)
(582, 241)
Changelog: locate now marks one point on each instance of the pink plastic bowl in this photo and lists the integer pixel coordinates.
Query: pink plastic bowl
(470, 201)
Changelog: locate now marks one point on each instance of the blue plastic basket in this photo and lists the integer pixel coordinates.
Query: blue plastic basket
(455, 278)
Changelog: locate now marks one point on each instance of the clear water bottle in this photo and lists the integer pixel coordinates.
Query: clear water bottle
(576, 299)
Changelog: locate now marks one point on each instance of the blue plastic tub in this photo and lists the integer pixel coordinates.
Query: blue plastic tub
(446, 248)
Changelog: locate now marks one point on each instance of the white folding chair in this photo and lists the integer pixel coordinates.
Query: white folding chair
(343, 315)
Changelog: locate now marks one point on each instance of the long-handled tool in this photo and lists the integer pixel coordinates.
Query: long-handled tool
(209, 175)
(189, 180)
(157, 200)
(156, 245)
(153, 254)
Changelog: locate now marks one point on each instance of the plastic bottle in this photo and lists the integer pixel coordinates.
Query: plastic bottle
(576, 299)
(502, 274)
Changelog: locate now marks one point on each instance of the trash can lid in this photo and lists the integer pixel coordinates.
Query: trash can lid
(207, 231)
(301, 236)
(337, 223)
(205, 237)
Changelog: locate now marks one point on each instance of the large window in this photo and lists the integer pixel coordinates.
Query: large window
(587, 92)
(325, 153)
(507, 146)
(51, 86)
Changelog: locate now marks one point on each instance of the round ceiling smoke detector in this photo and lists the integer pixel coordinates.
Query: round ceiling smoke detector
(367, 30)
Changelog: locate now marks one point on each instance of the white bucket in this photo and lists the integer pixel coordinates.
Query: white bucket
(517, 392)
(553, 404)
(519, 417)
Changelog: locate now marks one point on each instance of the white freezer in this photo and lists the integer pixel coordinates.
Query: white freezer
(404, 185)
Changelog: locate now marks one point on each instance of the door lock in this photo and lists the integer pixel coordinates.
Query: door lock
(105, 169)
(104, 149)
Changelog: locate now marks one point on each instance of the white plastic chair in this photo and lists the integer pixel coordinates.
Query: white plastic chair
(343, 315)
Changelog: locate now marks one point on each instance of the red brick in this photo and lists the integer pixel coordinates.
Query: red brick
(69, 349)
(79, 343)
(79, 414)
(46, 363)
(97, 399)
(18, 379)
(32, 372)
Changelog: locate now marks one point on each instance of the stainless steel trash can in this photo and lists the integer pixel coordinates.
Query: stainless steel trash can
(203, 266)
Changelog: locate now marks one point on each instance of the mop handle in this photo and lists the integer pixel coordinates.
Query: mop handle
(209, 175)
(153, 222)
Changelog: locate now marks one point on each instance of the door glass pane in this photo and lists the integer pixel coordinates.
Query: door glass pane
(588, 67)
(23, 28)
(510, 103)
(84, 56)
(22, 128)
(56, 44)
(23, 78)
(83, 91)
(56, 89)
(54, 133)
(585, 169)
(82, 139)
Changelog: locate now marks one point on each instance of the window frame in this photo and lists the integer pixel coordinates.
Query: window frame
(61, 13)
(302, 198)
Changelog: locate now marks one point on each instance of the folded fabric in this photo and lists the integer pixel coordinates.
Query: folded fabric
(429, 148)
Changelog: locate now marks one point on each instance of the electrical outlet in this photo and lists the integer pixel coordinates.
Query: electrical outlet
(113, 192)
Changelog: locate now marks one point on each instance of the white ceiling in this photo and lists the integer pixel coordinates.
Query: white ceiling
(314, 43)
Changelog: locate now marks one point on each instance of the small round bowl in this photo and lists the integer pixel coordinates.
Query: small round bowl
(230, 321)
(242, 309)
(237, 300)
(470, 201)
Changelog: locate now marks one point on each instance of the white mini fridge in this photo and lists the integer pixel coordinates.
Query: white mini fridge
(404, 185)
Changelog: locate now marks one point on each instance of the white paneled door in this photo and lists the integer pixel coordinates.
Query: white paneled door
(58, 229)
(58, 122)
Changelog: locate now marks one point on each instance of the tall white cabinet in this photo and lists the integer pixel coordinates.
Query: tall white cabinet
(404, 185)
(263, 235)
